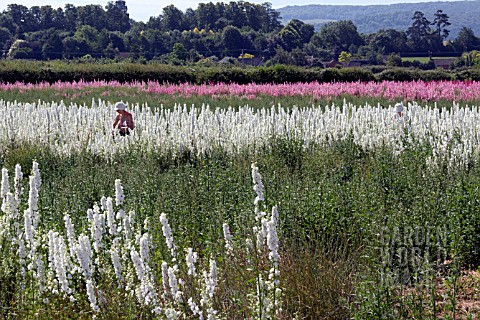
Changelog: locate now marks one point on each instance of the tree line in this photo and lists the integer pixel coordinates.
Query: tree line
(212, 33)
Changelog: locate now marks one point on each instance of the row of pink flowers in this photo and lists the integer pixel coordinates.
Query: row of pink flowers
(412, 90)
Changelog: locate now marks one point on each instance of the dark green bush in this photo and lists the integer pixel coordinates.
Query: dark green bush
(330, 75)
(261, 75)
(35, 71)
(436, 75)
(430, 65)
(469, 74)
(398, 74)
(356, 74)
(222, 75)
(288, 74)
(376, 69)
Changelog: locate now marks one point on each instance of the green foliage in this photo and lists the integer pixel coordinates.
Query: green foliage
(394, 60)
(339, 35)
(471, 58)
(90, 29)
(428, 65)
(473, 75)
(284, 74)
(466, 40)
(436, 75)
(398, 74)
(224, 30)
(179, 52)
(247, 56)
(295, 34)
(232, 40)
(206, 70)
(344, 57)
(223, 75)
(352, 74)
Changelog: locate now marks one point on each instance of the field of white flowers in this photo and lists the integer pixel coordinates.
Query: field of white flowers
(452, 133)
(115, 245)
(355, 186)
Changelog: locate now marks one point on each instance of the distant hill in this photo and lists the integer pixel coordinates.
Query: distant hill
(371, 18)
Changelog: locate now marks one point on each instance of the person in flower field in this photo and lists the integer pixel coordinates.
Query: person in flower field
(399, 112)
(123, 123)
(400, 118)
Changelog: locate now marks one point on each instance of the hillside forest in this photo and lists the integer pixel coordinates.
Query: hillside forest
(371, 18)
(220, 33)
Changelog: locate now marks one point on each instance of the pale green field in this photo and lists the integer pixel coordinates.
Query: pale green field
(424, 59)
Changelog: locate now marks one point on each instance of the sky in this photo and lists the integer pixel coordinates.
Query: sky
(142, 10)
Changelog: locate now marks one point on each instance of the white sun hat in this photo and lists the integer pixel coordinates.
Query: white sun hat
(120, 106)
(399, 107)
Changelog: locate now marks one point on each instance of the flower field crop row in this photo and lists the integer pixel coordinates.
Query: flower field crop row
(391, 90)
(453, 134)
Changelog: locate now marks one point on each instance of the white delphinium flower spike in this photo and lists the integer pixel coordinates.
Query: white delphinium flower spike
(212, 278)
(36, 175)
(146, 224)
(119, 197)
(138, 264)
(261, 233)
(274, 273)
(58, 256)
(51, 249)
(172, 314)
(97, 229)
(69, 228)
(112, 226)
(116, 261)
(227, 236)
(22, 254)
(90, 215)
(33, 201)
(195, 309)
(91, 296)
(257, 183)
(18, 183)
(258, 188)
(4, 189)
(166, 288)
(83, 252)
(31, 242)
(11, 209)
(103, 203)
(144, 247)
(208, 290)
(40, 275)
(145, 292)
(191, 259)
(128, 222)
(167, 233)
(173, 283)
(28, 228)
(272, 239)
(121, 215)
